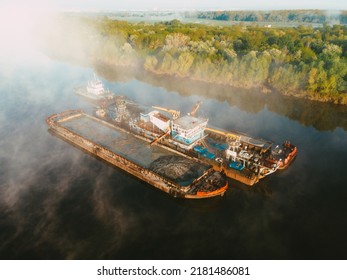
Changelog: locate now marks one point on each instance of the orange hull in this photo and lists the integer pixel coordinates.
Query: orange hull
(200, 194)
(288, 159)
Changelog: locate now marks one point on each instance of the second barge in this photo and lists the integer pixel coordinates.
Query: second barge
(163, 168)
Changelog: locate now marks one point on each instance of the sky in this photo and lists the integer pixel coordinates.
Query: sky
(116, 5)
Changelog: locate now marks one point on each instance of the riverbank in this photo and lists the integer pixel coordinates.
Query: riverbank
(136, 67)
(338, 98)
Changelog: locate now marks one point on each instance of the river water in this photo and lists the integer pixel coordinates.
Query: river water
(57, 202)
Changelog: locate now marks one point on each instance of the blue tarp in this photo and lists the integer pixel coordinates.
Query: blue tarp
(204, 152)
(221, 147)
(209, 155)
(236, 165)
(200, 149)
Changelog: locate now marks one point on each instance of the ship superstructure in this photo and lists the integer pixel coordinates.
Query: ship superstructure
(187, 130)
(157, 119)
(95, 87)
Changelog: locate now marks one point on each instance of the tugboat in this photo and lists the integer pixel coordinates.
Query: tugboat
(94, 91)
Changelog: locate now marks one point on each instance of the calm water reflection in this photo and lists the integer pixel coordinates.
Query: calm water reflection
(57, 202)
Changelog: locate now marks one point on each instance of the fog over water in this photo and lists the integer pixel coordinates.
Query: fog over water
(57, 202)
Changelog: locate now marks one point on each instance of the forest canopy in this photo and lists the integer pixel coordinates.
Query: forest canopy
(302, 61)
(288, 16)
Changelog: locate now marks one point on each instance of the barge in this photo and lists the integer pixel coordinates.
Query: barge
(161, 167)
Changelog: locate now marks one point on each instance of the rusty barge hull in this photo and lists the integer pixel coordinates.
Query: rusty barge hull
(56, 124)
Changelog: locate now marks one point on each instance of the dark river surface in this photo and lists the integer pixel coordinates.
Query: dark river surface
(57, 202)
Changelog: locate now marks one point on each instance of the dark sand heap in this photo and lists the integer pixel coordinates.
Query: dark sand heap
(177, 168)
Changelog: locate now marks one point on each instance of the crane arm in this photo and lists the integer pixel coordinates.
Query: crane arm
(227, 134)
(195, 108)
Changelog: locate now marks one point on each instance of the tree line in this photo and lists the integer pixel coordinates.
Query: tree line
(303, 61)
(287, 16)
